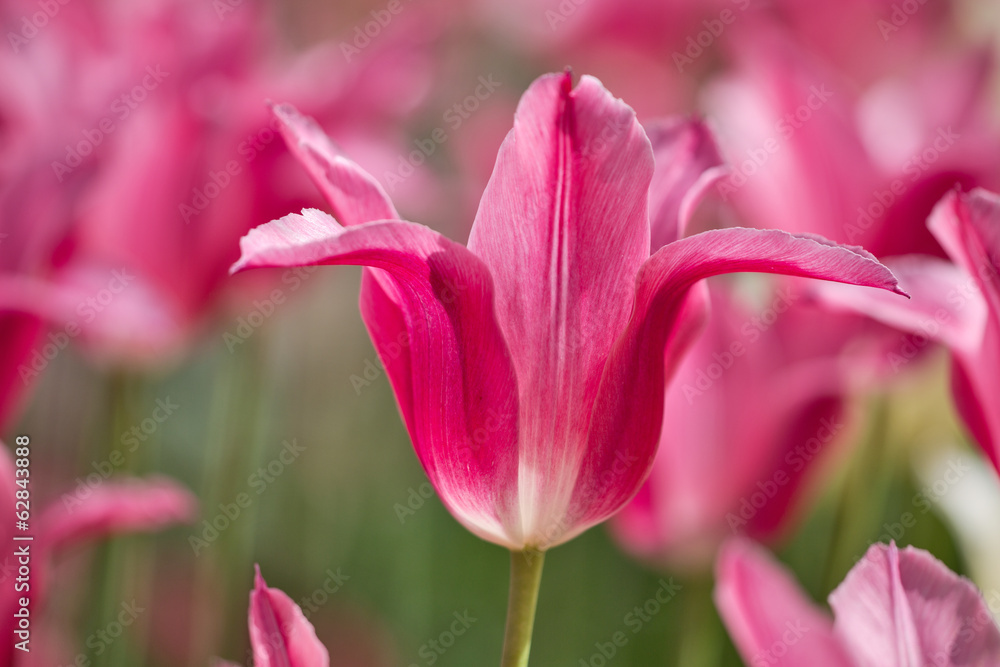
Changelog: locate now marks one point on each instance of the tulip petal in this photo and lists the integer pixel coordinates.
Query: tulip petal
(968, 227)
(354, 195)
(132, 505)
(280, 634)
(768, 616)
(945, 306)
(905, 608)
(748, 397)
(443, 351)
(563, 228)
(687, 163)
(627, 416)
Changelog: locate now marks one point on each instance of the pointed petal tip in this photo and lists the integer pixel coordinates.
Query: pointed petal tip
(258, 579)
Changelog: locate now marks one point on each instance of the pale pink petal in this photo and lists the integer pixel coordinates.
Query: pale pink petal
(131, 505)
(904, 608)
(354, 195)
(769, 617)
(968, 226)
(280, 634)
(626, 424)
(945, 304)
(563, 228)
(443, 350)
(687, 163)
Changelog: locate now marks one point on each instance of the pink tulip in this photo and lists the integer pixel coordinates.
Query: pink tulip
(280, 634)
(763, 394)
(171, 160)
(811, 155)
(528, 365)
(956, 304)
(896, 608)
(113, 508)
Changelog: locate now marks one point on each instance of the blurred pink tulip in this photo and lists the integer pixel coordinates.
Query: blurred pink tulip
(896, 608)
(173, 161)
(510, 358)
(280, 634)
(751, 411)
(113, 508)
(809, 155)
(955, 303)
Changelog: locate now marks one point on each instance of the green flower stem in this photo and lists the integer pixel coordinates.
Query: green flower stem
(525, 578)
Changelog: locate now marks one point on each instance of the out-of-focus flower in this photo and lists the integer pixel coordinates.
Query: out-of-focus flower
(529, 366)
(965, 491)
(751, 411)
(896, 608)
(180, 161)
(113, 508)
(280, 635)
(810, 155)
(956, 304)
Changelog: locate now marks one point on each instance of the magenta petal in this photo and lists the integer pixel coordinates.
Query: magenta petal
(626, 423)
(687, 163)
(354, 194)
(902, 608)
(280, 634)
(563, 228)
(441, 345)
(131, 505)
(768, 616)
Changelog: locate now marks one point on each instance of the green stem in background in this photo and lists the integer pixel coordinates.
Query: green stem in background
(861, 491)
(115, 561)
(699, 640)
(525, 578)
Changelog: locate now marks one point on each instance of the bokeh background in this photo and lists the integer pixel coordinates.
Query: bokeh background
(277, 393)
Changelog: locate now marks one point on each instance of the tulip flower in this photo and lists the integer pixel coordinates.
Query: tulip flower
(896, 608)
(112, 508)
(158, 157)
(811, 155)
(956, 304)
(529, 364)
(763, 394)
(280, 635)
